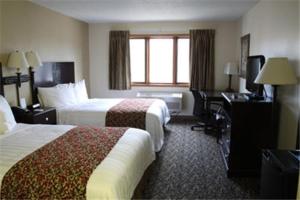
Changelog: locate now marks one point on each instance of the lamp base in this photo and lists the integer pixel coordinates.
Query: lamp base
(18, 85)
(229, 84)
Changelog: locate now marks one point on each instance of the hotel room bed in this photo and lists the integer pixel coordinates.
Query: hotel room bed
(116, 177)
(93, 112)
(110, 160)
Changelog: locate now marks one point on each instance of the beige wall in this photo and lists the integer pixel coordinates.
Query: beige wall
(27, 26)
(226, 33)
(274, 29)
(1, 28)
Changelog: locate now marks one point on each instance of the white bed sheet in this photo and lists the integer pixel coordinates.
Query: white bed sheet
(116, 177)
(93, 112)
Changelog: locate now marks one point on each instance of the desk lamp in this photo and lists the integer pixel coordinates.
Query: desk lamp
(230, 69)
(17, 61)
(33, 61)
(276, 71)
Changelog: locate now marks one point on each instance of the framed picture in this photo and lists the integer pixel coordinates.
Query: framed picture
(245, 47)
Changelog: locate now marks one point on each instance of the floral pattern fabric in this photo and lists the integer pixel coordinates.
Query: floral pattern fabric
(61, 168)
(129, 113)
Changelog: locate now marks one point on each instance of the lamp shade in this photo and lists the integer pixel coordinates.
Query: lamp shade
(17, 60)
(231, 68)
(276, 71)
(33, 59)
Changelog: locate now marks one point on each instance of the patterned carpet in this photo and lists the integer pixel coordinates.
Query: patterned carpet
(190, 166)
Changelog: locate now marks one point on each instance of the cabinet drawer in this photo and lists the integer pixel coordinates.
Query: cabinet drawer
(45, 118)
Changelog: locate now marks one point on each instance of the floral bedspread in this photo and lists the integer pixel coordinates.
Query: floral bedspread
(61, 168)
(129, 113)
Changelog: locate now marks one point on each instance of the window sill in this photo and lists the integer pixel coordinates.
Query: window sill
(160, 85)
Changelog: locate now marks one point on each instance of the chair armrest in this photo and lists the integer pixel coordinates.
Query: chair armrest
(217, 104)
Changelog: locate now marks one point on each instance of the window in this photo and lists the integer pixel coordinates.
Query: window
(137, 59)
(159, 60)
(183, 75)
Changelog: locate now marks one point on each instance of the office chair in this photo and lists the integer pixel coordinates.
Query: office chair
(209, 114)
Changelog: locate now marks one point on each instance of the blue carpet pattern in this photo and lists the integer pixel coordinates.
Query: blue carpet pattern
(190, 166)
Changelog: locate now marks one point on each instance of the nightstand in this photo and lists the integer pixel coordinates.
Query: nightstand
(36, 116)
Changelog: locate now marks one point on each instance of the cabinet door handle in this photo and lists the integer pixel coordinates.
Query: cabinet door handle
(47, 119)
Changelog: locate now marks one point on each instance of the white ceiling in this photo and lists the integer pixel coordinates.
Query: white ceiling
(149, 10)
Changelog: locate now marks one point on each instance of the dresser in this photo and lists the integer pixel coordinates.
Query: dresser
(248, 129)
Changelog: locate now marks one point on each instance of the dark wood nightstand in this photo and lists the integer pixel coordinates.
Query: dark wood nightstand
(36, 116)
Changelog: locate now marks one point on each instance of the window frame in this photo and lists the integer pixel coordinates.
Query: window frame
(147, 38)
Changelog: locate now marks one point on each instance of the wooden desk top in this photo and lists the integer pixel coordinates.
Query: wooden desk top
(241, 97)
(213, 95)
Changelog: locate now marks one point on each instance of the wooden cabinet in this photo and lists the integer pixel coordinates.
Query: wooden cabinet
(248, 130)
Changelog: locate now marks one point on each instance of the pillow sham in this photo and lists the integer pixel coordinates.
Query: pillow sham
(80, 91)
(7, 119)
(58, 96)
(67, 92)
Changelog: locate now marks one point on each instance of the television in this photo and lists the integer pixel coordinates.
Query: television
(254, 65)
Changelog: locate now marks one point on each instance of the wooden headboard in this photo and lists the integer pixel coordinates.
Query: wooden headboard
(51, 74)
(10, 80)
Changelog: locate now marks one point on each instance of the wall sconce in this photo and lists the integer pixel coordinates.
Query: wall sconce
(17, 61)
(34, 61)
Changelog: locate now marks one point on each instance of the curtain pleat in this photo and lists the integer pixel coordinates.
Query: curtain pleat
(119, 60)
(202, 58)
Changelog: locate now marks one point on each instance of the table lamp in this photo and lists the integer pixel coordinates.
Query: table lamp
(17, 61)
(230, 69)
(33, 61)
(276, 71)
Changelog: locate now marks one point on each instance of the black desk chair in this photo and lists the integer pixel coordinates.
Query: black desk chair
(209, 114)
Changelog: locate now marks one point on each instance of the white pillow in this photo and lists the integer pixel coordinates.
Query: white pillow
(7, 119)
(58, 96)
(47, 96)
(80, 91)
(68, 92)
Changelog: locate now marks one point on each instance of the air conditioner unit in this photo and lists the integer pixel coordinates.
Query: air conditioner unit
(172, 99)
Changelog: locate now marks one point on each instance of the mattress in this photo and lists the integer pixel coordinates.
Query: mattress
(116, 177)
(93, 112)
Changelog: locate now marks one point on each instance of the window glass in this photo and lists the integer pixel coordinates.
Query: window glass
(161, 60)
(137, 60)
(183, 73)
